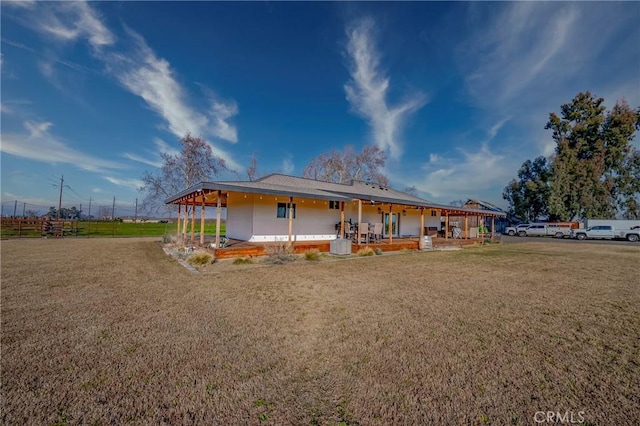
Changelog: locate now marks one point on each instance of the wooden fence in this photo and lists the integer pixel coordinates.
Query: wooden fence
(38, 227)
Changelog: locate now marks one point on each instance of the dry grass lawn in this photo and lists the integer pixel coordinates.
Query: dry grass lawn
(114, 331)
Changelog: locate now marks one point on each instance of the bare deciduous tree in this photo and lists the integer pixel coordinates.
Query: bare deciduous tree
(195, 163)
(252, 170)
(412, 190)
(342, 166)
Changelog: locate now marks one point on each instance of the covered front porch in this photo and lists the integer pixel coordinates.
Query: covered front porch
(264, 213)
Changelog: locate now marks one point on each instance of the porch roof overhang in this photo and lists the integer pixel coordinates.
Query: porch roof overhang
(253, 188)
(199, 194)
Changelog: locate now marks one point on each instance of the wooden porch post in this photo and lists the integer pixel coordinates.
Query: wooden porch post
(446, 225)
(466, 227)
(218, 213)
(202, 221)
(420, 243)
(390, 226)
(179, 217)
(290, 220)
(341, 219)
(493, 227)
(359, 219)
(185, 220)
(193, 220)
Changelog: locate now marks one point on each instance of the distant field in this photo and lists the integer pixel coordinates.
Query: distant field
(127, 229)
(101, 331)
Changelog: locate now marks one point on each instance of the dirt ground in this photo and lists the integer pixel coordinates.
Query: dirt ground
(115, 331)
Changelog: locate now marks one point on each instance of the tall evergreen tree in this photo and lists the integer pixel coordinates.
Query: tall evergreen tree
(528, 195)
(594, 173)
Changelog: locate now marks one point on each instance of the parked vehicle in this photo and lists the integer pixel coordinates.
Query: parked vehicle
(606, 232)
(514, 230)
(616, 223)
(550, 229)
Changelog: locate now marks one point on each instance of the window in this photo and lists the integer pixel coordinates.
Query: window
(433, 212)
(335, 205)
(283, 210)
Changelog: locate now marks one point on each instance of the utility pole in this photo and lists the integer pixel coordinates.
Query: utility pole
(135, 218)
(113, 217)
(15, 206)
(89, 217)
(24, 206)
(60, 199)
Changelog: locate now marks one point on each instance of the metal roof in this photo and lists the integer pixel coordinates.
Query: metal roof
(278, 184)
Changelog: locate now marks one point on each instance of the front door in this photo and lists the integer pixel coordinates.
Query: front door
(394, 224)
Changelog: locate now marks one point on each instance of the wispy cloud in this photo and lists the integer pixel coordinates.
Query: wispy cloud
(470, 174)
(221, 128)
(66, 22)
(152, 78)
(133, 184)
(139, 69)
(515, 48)
(368, 89)
(153, 158)
(75, 20)
(493, 131)
(39, 144)
(287, 167)
(22, 4)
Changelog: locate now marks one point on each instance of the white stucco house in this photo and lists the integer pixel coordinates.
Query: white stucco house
(278, 207)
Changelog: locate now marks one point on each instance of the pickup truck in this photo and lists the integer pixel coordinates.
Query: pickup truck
(545, 230)
(606, 232)
(515, 230)
(558, 230)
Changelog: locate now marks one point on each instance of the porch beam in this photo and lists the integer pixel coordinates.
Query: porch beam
(218, 214)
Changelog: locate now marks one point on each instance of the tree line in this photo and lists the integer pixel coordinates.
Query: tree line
(594, 171)
(196, 162)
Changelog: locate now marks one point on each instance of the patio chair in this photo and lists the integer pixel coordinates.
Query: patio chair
(457, 233)
(377, 231)
(363, 232)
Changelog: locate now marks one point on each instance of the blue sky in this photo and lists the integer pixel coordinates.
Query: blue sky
(456, 93)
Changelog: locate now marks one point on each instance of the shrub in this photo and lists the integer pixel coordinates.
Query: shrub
(367, 251)
(378, 251)
(200, 258)
(312, 255)
(279, 253)
(242, 261)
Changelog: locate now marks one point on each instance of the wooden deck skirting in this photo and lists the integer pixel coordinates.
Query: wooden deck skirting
(245, 249)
